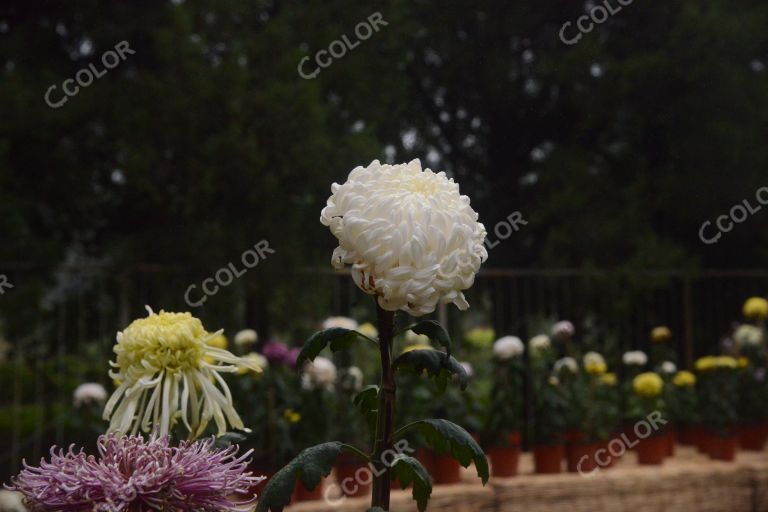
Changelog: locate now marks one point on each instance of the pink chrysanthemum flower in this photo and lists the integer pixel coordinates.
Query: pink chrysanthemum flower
(134, 475)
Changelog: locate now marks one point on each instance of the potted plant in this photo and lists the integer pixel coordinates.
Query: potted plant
(717, 393)
(502, 427)
(647, 399)
(549, 408)
(753, 387)
(633, 363)
(682, 405)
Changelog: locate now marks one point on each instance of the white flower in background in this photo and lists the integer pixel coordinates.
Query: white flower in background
(566, 363)
(368, 329)
(507, 347)
(11, 501)
(352, 378)
(593, 358)
(411, 238)
(320, 373)
(539, 343)
(255, 360)
(668, 367)
(246, 338)
(167, 372)
(416, 339)
(634, 358)
(339, 321)
(89, 393)
(748, 335)
(470, 371)
(563, 330)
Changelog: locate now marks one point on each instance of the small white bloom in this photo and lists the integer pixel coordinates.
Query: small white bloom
(668, 367)
(563, 330)
(89, 393)
(566, 363)
(635, 358)
(11, 501)
(354, 378)
(246, 338)
(748, 335)
(539, 343)
(468, 368)
(339, 321)
(411, 238)
(507, 347)
(593, 358)
(320, 373)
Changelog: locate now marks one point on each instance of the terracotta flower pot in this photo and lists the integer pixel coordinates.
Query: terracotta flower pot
(581, 457)
(353, 475)
(548, 458)
(652, 449)
(504, 459)
(752, 437)
(703, 440)
(630, 436)
(723, 448)
(686, 435)
(446, 470)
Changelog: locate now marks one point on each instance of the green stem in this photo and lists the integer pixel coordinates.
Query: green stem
(386, 411)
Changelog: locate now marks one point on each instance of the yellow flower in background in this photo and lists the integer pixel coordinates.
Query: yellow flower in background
(661, 334)
(756, 308)
(218, 341)
(609, 379)
(292, 416)
(416, 339)
(648, 385)
(684, 379)
(256, 360)
(743, 362)
(162, 364)
(707, 363)
(480, 337)
(417, 346)
(594, 363)
(368, 329)
(726, 362)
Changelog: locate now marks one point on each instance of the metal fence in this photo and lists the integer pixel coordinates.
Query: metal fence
(83, 306)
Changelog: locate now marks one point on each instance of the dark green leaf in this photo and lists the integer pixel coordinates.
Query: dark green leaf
(438, 365)
(435, 332)
(309, 466)
(338, 338)
(410, 471)
(444, 436)
(367, 401)
(229, 438)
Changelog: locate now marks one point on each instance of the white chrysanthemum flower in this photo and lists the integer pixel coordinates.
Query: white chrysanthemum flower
(11, 501)
(748, 335)
(89, 393)
(668, 367)
(320, 373)
(340, 321)
(167, 372)
(563, 330)
(539, 343)
(352, 378)
(246, 338)
(507, 347)
(411, 238)
(634, 358)
(566, 363)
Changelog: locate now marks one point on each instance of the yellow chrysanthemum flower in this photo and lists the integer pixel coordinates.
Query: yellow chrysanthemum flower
(292, 416)
(756, 308)
(594, 363)
(661, 334)
(480, 337)
(684, 379)
(704, 364)
(218, 341)
(648, 385)
(609, 379)
(707, 363)
(368, 329)
(743, 362)
(165, 377)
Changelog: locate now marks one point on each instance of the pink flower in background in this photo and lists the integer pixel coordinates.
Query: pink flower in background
(131, 474)
(279, 353)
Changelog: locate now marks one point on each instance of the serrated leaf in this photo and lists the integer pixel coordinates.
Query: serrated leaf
(367, 401)
(309, 466)
(438, 365)
(410, 471)
(337, 337)
(435, 332)
(444, 436)
(229, 438)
